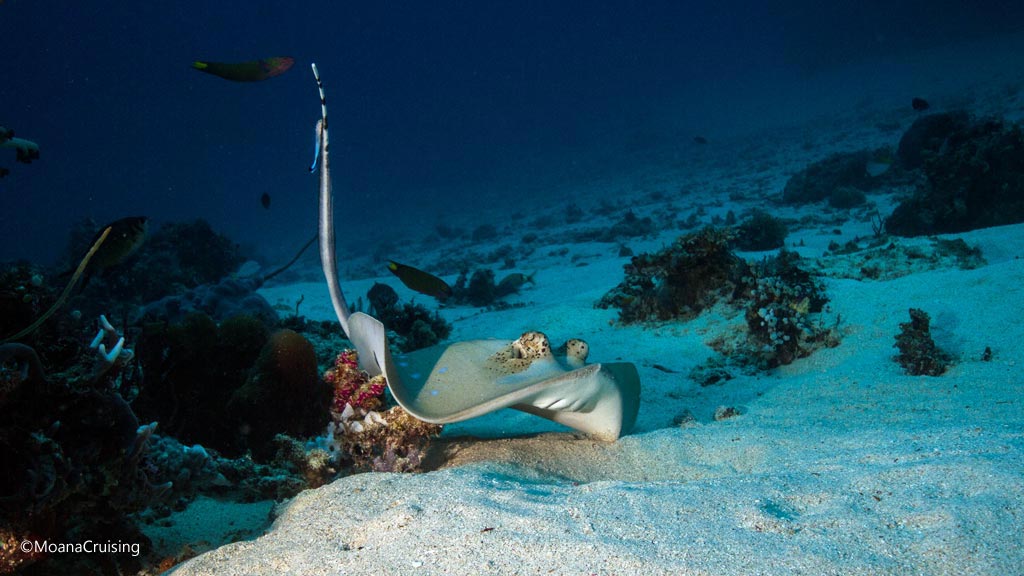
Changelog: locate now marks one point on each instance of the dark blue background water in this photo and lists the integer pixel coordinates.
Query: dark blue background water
(436, 106)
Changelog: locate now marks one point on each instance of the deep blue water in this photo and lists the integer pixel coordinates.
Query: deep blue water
(435, 106)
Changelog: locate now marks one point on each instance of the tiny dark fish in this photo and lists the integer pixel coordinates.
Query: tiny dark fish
(700, 140)
(420, 281)
(251, 71)
(920, 104)
(512, 283)
(265, 201)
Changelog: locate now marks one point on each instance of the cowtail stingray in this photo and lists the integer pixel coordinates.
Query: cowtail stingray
(446, 384)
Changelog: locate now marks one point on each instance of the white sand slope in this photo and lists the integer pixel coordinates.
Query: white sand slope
(837, 464)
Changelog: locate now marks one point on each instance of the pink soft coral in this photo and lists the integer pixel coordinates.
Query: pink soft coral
(352, 386)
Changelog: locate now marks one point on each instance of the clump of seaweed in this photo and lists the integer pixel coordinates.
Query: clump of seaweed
(761, 231)
(680, 281)
(919, 355)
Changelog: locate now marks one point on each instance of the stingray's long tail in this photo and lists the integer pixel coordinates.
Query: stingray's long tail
(327, 252)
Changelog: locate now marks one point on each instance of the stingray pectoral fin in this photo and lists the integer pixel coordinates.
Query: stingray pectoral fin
(608, 394)
(601, 400)
(371, 341)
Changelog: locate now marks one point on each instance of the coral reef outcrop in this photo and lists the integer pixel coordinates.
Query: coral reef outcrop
(974, 178)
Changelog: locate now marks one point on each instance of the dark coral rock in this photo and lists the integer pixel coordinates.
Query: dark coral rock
(976, 180)
(680, 281)
(919, 355)
(73, 467)
(927, 135)
(787, 269)
(818, 181)
(283, 394)
(24, 296)
(228, 298)
(192, 369)
(761, 231)
(778, 295)
(846, 197)
(630, 226)
(382, 298)
(198, 254)
(573, 213)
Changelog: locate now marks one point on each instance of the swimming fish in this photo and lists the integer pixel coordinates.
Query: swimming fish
(700, 140)
(123, 239)
(251, 71)
(919, 104)
(512, 283)
(26, 150)
(265, 200)
(420, 281)
(879, 162)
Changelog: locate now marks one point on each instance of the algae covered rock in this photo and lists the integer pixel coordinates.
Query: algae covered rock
(680, 281)
(926, 136)
(919, 355)
(761, 231)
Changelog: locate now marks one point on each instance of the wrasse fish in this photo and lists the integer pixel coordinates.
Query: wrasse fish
(420, 281)
(124, 237)
(512, 283)
(251, 71)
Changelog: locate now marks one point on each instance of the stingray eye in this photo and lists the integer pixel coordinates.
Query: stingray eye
(518, 349)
